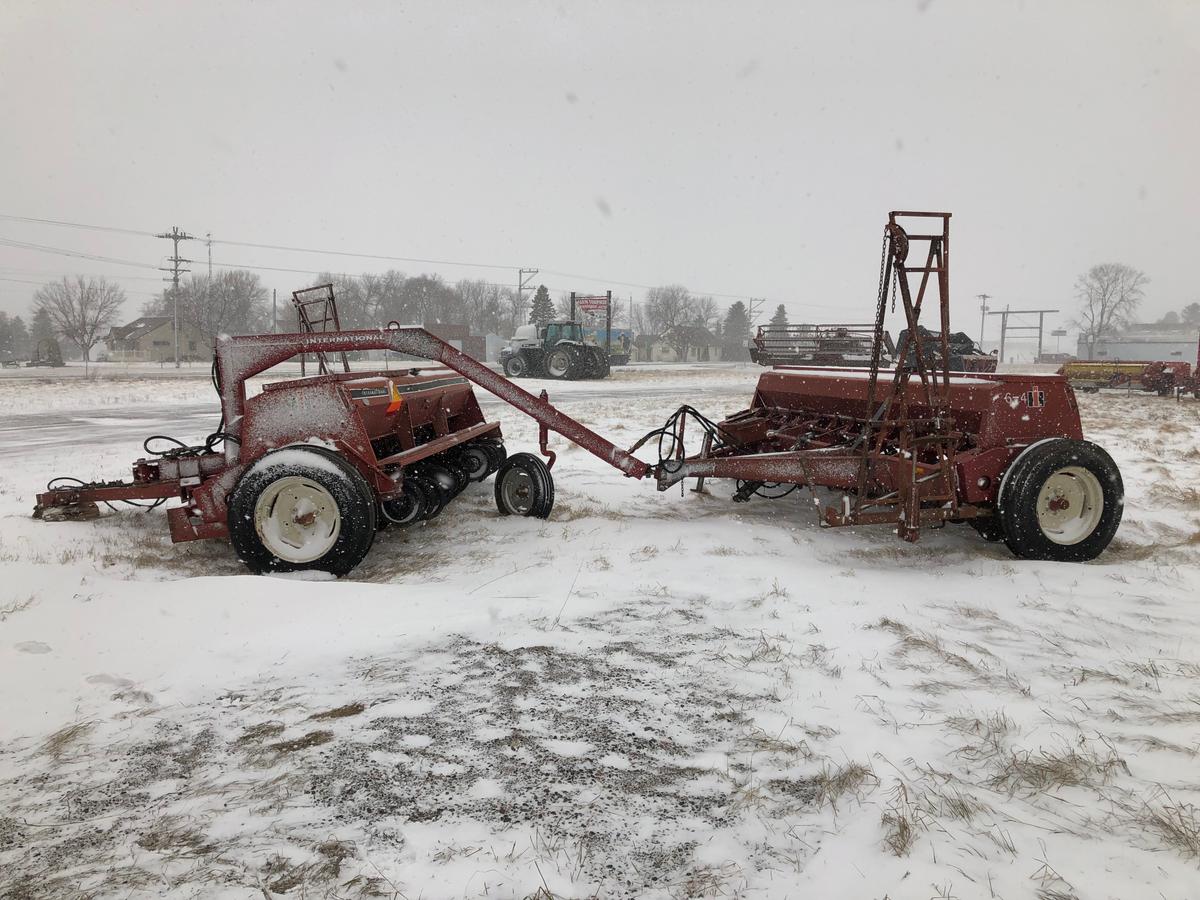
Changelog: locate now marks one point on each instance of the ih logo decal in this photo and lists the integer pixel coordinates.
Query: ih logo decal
(1035, 398)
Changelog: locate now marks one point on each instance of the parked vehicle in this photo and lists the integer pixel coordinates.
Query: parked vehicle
(556, 350)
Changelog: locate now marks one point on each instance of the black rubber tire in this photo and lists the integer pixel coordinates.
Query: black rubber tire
(583, 363)
(603, 364)
(435, 497)
(989, 528)
(536, 479)
(497, 454)
(461, 479)
(564, 360)
(516, 367)
(445, 480)
(410, 506)
(1017, 505)
(475, 460)
(353, 496)
(340, 460)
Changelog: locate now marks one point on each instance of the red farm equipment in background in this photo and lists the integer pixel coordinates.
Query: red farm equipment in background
(308, 467)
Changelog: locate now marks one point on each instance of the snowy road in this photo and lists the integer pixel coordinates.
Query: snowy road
(22, 433)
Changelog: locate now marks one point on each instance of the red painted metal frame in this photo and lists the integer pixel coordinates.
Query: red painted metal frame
(923, 449)
(241, 358)
(203, 481)
(912, 447)
(804, 427)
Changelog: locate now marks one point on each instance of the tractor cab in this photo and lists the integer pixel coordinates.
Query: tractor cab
(556, 333)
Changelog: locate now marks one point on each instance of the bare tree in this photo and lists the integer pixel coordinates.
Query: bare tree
(1109, 295)
(562, 306)
(233, 302)
(80, 308)
(639, 324)
(705, 314)
(668, 306)
(515, 307)
(670, 309)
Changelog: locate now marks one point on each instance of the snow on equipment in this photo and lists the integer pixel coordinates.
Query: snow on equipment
(817, 345)
(1162, 378)
(308, 465)
(1190, 384)
(965, 354)
(853, 345)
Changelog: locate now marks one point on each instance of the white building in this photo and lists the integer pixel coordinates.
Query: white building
(1146, 342)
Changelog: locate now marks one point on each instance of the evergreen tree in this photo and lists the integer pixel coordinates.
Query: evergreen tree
(6, 337)
(20, 338)
(543, 307)
(780, 317)
(43, 327)
(735, 335)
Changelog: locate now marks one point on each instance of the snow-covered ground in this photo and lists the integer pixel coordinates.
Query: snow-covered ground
(646, 695)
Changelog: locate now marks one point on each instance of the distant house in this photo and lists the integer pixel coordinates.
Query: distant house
(702, 345)
(152, 339)
(1165, 343)
(459, 337)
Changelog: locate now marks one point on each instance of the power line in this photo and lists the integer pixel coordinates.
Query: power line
(282, 247)
(377, 256)
(10, 270)
(355, 255)
(76, 225)
(44, 283)
(692, 291)
(78, 254)
(356, 277)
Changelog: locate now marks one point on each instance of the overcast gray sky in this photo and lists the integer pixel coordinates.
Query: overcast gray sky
(736, 148)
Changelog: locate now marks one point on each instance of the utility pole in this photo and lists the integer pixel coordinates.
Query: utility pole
(524, 276)
(208, 284)
(983, 308)
(1005, 328)
(175, 236)
(752, 309)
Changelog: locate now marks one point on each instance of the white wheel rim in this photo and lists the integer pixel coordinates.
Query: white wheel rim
(1069, 505)
(519, 491)
(558, 364)
(297, 519)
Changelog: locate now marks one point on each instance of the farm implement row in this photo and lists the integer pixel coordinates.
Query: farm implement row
(301, 475)
(1162, 378)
